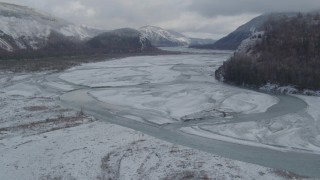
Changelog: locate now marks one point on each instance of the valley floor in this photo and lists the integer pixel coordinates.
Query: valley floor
(61, 63)
(42, 139)
(39, 139)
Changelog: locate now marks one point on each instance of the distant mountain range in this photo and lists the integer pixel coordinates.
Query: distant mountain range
(24, 30)
(160, 37)
(167, 38)
(234, 39)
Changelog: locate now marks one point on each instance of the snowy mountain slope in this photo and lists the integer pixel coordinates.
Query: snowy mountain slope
(124, 39)
(247, 45)
(234, 39)
(167, 38)
(24, 28)
(161, 37)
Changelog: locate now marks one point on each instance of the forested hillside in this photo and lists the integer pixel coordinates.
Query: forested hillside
(287, 54)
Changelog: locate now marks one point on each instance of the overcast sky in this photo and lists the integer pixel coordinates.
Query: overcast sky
(204, 18)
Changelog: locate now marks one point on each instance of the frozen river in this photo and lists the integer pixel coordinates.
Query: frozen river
(176, 98)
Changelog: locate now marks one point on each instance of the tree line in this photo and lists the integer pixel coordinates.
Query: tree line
(289, 54)
(59, 45)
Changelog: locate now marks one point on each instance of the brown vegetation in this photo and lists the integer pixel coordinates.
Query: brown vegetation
(63, 62)
(35, 108)
(188, 174)
(288, 175)
(50, 124)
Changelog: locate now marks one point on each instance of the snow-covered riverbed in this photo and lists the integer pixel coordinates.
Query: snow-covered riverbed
(169, 89)
(39, 139)
(173, 98)
(166, 89)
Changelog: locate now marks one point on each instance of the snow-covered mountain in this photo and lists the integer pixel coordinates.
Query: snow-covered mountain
(167, 38)
(161, 37)
(25, 28)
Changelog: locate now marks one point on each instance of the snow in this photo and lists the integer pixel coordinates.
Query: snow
(155, 34)
(178, 102)
(27, 28)
(195, 51)
(118, 73)
(167, 89)
(101, 150)
(173, 102)
(195, 130)
(41, 140)
(277, 88)
(289, 89)
(21, 22)
(313, 106)
(75, 31)
(248, 103)
(298, 131)
(20, 45)
(116, 77)
(190, 92)
(246, 45)
(6, 46)
(23, 102)
(60, 86)
(21, 89)
(17, 27)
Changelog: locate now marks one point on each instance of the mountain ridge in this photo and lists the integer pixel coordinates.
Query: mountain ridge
(160, 37)
(24, 28)
(234, 39)
(27, 33)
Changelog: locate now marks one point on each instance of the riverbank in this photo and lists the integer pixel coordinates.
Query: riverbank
(66, 62)
(39, 139)
(46, 111)
(161, 95)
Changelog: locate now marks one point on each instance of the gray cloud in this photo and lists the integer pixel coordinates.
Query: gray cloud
(211, 8)
(207, 18)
